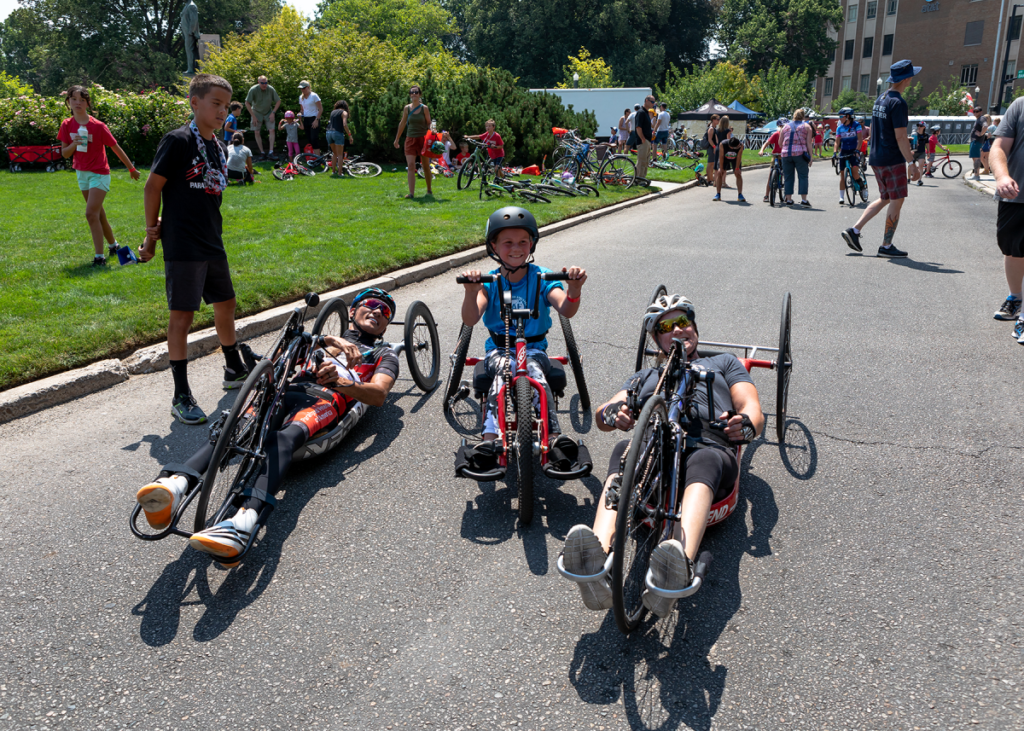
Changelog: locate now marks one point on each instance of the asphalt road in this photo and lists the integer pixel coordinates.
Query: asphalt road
(869, 579)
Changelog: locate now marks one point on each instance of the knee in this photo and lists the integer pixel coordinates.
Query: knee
(92, 215)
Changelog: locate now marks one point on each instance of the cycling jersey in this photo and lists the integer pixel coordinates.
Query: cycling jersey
(523, 293)
(847, 136)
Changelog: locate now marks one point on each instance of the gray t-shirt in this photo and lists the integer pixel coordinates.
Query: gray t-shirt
(1013, 126)
(291, 132)
(237, 155)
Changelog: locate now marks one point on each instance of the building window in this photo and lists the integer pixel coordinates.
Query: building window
(845, 84)
(848, 50)
(828, 86)
(974, 32)
(1014, 33)
(968, 74)
(887, 44)
(865, 83)
(891, 8)
(851, 15)
(872, 9)
(1011, 70)
(869, 47)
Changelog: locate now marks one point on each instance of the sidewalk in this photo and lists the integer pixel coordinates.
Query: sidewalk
(985, 184)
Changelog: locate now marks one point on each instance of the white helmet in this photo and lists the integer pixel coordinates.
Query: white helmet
(668, 303)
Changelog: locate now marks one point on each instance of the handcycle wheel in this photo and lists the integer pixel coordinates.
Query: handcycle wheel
(850, 193)
(784, 367)
(524, 448)
(950, 166)
(639, 524)
(458, 364)
(309, 160)
(232, 464)
(575, 361)
(647, 352)
(466, 174)
(617, 170)
(332, 318)
(364, 170)
(421, 346)
(533, 197)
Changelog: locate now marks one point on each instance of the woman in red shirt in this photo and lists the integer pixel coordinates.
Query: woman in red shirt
(90, 163)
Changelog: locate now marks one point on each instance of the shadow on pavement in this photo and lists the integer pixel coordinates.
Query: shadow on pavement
(182, 438)
(924, 266)
(665, 672)
(799, 452)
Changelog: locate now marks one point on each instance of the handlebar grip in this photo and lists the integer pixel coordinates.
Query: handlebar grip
(554, 276)
(484, 279)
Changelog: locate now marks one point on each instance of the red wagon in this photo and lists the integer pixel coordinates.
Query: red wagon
(48, 155)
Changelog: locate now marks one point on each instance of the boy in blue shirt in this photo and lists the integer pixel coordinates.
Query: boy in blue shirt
(512, 235)
(231, 123)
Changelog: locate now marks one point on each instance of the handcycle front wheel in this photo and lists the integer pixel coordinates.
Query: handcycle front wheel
(232, 463)
(421, 346)
(458, 365)
(524, 448)
(639, 523)
(952, 168)
(647, 352)
(332, 319)
(784, 367)
(576, 362)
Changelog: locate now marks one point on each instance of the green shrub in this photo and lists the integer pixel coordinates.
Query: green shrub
(12, 86)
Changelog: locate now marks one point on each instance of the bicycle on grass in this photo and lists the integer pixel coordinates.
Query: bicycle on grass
(477, 164)
(351, 165)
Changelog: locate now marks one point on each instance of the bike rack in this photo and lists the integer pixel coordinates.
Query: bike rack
(584, 579)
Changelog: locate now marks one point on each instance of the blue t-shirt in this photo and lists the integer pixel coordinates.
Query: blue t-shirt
(523, 293)
(889, 114)
(229, 123)
(847, 136)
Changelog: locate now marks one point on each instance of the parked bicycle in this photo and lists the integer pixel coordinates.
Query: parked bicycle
(353, 166)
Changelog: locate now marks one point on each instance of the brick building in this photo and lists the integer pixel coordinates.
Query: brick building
(961, 38)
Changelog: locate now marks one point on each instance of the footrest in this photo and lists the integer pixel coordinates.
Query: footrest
(464, 466)
(583, 467)
(492, 476)
(698, 578)
(579, 579)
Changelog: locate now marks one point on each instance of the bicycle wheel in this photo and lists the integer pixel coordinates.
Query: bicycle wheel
(232, 465)
(952, 168)
(282, 175)
(862, 188)
(332, 318)
(466, 174)
(647, 352)
(421, 346)
(784, 367)
(576, 362)
(364, 170)
(588, 190)
(773, 187)
(639, 524)
(524, 448)
(303, 170)
(533, 197)
(850, 191)
(549, 190)
(311, 161)
(617, 170)
(458, 359)
(829, 143)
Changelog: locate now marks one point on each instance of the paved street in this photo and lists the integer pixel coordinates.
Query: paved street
(869, 579)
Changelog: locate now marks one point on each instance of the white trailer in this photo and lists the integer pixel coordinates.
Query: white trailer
(606, 104)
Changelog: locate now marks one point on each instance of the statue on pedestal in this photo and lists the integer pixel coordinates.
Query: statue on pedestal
(190, 33)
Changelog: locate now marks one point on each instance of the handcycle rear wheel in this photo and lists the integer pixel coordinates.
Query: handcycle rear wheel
(232, 464)
(850, 187)
(466, 174)
(524, 448)
(576, 362)
(421, 346)
(950, 166)
(639, 524)
(647, 352)
(458, 364)
(784, 366)
(332, 319)
(617, 170)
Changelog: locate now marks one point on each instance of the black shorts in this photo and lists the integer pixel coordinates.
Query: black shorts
(1010, 229)
(728, 165)
(713, 466)
(188, 282)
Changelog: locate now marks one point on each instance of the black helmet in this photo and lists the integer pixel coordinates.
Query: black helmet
(375, 293)
(846, 112)
(511, 217)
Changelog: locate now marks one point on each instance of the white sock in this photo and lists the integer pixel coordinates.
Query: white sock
(245, 519)
(1014, 296)
(856, 230)
(175, 483)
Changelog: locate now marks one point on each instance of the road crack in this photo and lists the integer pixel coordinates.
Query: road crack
(945, 448)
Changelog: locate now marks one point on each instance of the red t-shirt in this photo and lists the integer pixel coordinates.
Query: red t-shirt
(94, 160)
(494, 139)
(461, 157)
(932, 142)
(773, 140)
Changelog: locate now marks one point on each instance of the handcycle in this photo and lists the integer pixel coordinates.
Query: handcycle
(950, 168)
(240, 434)
(853, 186)
(648, 501)
(352, 166)
(522, 429)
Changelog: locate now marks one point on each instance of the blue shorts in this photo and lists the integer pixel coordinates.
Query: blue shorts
(661, 137)
(975, 151)
(334, 137)
(986, 146)
(88, 180)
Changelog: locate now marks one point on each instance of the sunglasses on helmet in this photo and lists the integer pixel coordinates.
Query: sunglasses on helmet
(667, 326)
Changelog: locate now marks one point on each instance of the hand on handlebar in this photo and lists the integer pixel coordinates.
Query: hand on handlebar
(623, 421)
(734, 427)
(327, 375)
(473, 285)
(577, 276)
(342, 347)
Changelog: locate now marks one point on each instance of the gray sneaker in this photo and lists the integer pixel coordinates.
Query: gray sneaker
(1009, 310)
(584, 556)
(672, 570)
(185, 409)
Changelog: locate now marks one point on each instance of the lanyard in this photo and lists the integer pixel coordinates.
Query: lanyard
(214, 180)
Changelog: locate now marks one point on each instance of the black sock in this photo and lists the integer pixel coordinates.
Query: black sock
(179, 369)
(232, 358)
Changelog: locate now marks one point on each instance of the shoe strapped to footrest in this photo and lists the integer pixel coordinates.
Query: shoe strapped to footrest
(568, 460)
(478, 462)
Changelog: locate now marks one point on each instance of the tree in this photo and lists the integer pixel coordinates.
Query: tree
(411, 25)
(779, 91)
(594, 73)
(11, 86)
(792, 32)
(949, 101)
(858, 101)
(688, 89)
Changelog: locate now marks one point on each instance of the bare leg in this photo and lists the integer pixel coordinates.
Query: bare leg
(739, 182)
(874, 207)
(892, 220)
(259, 139)
(427, 174)
(719, 180)
(696, 505)
(94, 216)
(270, 135)
(604, 523)
(224, 321)
(177, 334)
(1014, 268)
(411, 162)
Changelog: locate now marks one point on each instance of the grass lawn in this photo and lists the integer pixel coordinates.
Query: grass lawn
(282, 238)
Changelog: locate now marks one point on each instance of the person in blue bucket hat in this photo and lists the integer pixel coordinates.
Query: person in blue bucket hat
(890, 153)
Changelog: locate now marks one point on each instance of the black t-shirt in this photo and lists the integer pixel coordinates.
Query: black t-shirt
(378, 356)
(729, 152)
(922, 143)
(191, 221)
(643, 123)
(338, 120)
(978, 132)
(888, 115)
(729, 371)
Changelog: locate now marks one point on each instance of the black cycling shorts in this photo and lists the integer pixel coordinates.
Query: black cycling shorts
(189, 282)
(713, 466)
(1010, 229)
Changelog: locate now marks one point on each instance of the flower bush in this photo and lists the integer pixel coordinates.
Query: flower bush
(137, 121)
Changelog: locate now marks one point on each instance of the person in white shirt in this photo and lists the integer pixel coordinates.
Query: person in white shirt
(239, 160)
(662, 128)
(631, 122)
(312, 109)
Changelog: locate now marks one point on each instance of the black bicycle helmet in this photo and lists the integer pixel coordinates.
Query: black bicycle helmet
(846, 112)
(377, 293)
(511, 217)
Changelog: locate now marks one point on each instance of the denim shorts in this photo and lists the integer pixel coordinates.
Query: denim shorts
(334, 137)
(88, 180)
(661, 137)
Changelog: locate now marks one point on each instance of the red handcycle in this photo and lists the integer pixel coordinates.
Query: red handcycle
(522, 428)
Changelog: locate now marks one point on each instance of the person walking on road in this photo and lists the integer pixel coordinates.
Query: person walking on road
(643, 137)
(663, 128)
(1007, 160)
(415, 123)
(797, 141)
(711, 135)
(262, 102)
(890, 153)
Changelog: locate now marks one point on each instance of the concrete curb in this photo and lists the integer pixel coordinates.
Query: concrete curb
(31, 397)
(981, 186)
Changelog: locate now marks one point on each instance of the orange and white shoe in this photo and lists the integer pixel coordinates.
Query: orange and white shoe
(160, 498)
(228, 538)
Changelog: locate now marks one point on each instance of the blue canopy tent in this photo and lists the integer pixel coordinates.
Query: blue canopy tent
(736, 106)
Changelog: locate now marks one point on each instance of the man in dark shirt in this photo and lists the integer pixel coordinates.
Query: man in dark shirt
(188, 176)
(890, 153)
(977, 141)
(644, 136)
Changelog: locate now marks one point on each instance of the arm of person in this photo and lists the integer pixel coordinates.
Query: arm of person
(616, 406)
(319, 113)
(739, 157)
(860, 137)
(401, 124)
(426, 115)
(763, 148)
(561, 299)
(373, 393)
(344, 124)
(280, 125)
(248, 164)
(69, 149)
(151, 202)
(277, 103)
(810, 143)
(640, 134)
(744, 401)
(125, 161)
(904, 144)
(1006, 187)
(474, 303)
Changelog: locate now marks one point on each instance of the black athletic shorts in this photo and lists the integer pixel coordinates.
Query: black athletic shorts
(713, 466)
(1010, 229)
(188, 282)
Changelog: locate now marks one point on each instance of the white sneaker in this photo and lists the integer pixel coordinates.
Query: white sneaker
(228, 538)
(584, 556)
(160, 498)
(672, 570)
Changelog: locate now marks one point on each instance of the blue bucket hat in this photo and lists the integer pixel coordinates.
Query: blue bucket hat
(902, 70)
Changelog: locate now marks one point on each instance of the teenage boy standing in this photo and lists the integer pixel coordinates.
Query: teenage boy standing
(890, 153)
(189, 174)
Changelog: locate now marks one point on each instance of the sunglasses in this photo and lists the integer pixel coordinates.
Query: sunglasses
(415, 93)
(375, 304)
(264, 83)
(667, 326)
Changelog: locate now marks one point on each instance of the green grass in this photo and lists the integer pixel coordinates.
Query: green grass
(282, 238)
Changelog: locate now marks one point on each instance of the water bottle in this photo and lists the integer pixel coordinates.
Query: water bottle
(433, 125)
(83, 138)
